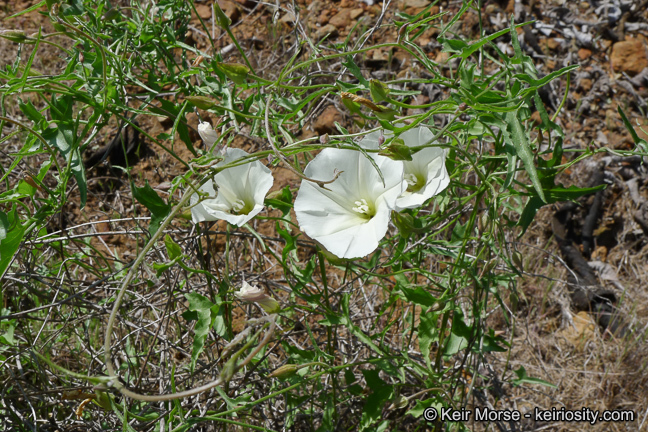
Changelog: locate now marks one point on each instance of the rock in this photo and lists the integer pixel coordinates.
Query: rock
(585, 84)
(552, 44)
(641, 129)
(342, 18)
(325, 123)
(230, 9)
(355, 13)
(584, 54)
(328, 29)
(629, 56)
(415, 3)
(324, 17)
(442, 57)
(288, 18)
(204, 11)
(583, 330)
(418, 100)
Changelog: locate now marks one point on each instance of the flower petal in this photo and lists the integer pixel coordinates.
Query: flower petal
(328, 216)
(427, 164)
(248, 183)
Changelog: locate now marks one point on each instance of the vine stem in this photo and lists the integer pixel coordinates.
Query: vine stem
(129, 277)
(112, 374)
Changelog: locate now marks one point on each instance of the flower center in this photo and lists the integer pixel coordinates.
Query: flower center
(414, 182)
(363, 208)
(240, 207)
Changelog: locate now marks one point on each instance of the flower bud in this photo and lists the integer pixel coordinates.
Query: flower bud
(381, 140)
(324, 139)
(198, 61)
(235, 71)
(202, 102)
(18, 36)
(397, 150)
(207, 133)
(285, 371)
(253, 294)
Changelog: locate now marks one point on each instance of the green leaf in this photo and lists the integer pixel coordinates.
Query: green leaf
(468, 50)
(221, 19)
(543, 81)
(31, 112)
(152, 201)
(10, 239)
(205, 314)
(635, 137)
(459, 336)
(379, 91)
(490, 343)
(162, 267)
(428, 334)
(291, 244)
(553, 195)
(452, 45)
(520, 141)
(355, 70)
(448, 26)
(523, 378)
(281, 201)
(26, 11)
(385, 113)
(173, 249)
(418, 296)
(4, 227)
(372, 409)
(421, 405)
(63, 139)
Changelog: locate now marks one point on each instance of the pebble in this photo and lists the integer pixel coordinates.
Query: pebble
(629, 56)
(325, 123)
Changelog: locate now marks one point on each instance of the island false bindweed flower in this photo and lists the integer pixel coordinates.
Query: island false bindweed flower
(350, 218)
(207, 133)
(257, 295)
(235, 194)
(426, 174)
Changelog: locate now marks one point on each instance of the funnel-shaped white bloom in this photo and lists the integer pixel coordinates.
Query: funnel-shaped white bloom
(235, 194)
(207, 133)
(425, 174)
(351, 218)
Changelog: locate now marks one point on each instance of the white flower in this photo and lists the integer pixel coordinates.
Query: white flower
(351, 218)
(240, 191)
(426, 174)
(207, 133)
(257, 295)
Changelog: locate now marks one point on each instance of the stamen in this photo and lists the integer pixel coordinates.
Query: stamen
(410, 179)
(238, 205)
(362, 206)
